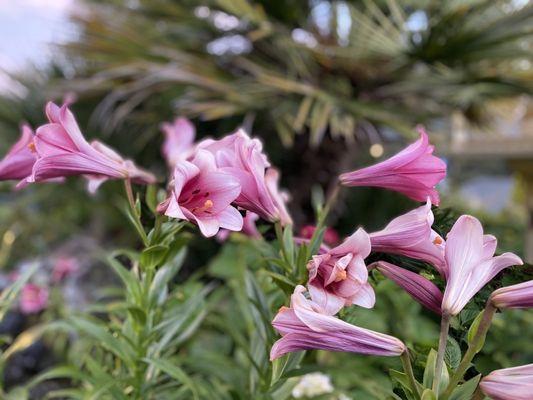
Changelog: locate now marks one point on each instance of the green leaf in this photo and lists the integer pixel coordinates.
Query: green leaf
(103, 337)
(165, 274)
(129, 279)
(9, 294)
(429, 372)
(153, 256)
(135, 221)
(428, 395)
(472, 331)
(288, 245)
(466, 390)
(403, 380)
(151, 198)
(452, 354)
(171, 369)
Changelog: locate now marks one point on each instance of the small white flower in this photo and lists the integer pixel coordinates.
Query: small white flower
(312, 385)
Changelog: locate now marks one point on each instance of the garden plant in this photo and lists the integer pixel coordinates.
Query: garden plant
(274, 303)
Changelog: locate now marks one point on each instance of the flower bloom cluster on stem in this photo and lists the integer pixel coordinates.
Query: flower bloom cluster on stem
(212, 181)
(215, 176)
(58, 150)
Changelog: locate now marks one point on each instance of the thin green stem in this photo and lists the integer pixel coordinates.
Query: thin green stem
(408, 369)
(129, 194)
(473, 348)
(443, 339)
(330, 202)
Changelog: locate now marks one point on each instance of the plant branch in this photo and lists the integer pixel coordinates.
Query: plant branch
(129, 194)
(443, 339)
(473, 348)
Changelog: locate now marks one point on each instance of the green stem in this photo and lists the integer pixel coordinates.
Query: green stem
(444, 328)
(473, 348)
(330, 202)
(408, 369)
(129, 194)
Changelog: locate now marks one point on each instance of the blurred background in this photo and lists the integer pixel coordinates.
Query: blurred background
(328, 85)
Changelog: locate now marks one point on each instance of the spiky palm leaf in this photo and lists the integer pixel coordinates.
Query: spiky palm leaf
(363, 63)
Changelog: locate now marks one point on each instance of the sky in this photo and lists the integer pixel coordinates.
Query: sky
(27, 28)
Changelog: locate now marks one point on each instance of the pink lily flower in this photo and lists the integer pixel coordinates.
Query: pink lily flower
(331, 237)
(339, 277)
(470, 263)
(509, 383)
(419, 288)
(33, 298)
(18, 162)
(203, 193)
(63, 267)
(304, 326)
(411, 235)
(63, 151)
(515, 296)
(414, 172)
(179, 140)
(243, 157)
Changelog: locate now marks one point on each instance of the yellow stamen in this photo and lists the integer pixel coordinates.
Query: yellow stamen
(31, 146)
(437, 241)
(207, 205)
(340, 275)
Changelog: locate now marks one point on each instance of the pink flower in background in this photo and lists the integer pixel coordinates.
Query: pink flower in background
(411, 235)
(203, 193)
(243, 157)
(18, 162)
(339, 277)
(331, 237)
(509, 383)
(515, 296)
(248, 228)
(179, 140)
(63, 151)
(470, 262)
(419, 288)
(304, 326)
(33, 299)
(414, 172)
(63, 267)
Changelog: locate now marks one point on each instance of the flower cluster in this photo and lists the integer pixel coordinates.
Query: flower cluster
(227, 184)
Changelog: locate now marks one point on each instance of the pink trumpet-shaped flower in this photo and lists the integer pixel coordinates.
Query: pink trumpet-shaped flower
(515, 296)
(33, 298)
(243, 157)
(339, 277)
(63, 151)
(179, 140)
(18, 162)
(411, 235)
(470, 263)
(303, 326)
(414, 171)
(63, 267)
(509, 383)
(419, 288)
(202, 193)
(331, 237)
